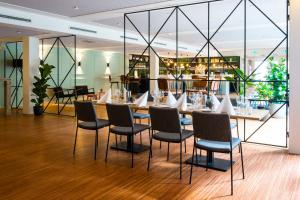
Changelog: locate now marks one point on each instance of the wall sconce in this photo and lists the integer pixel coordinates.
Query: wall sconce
(107, 70)
(79, 69)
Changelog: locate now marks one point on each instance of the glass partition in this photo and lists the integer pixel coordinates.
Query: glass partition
(234, 47)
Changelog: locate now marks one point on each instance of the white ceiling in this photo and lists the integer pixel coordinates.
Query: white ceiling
(261, 33)
(14, 31)
(66, 7)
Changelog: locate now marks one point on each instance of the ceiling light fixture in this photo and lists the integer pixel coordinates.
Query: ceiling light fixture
(18, 32)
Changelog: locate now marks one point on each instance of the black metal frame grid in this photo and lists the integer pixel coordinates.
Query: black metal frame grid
(244, 79)
(57, 82)
(17, 71)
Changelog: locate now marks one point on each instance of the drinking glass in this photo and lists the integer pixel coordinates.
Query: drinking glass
(238, 104)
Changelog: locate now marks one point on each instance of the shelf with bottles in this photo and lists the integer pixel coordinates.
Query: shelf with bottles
(138, 61)
(200, 65)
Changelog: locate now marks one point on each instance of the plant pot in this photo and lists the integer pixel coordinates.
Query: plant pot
(38, 110)
(280, 113)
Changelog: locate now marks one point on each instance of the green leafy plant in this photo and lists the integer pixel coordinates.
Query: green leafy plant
(274, 91)
(240, 74)
(40, 84)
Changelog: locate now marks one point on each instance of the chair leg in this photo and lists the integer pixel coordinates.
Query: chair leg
(132, 151)
(150, 139)
(168, 151)
(238, 133)
(197, 154)
(150, 154)
(242, 159)
(107, 146)
(75, 140)
(206, 161)
(97, 138)
(191, 173)
(141, 133)
(96, 144)
(120, 138)
(160, 144)
(231, 177)
(180, 160)
(116, 140)
(184, 146)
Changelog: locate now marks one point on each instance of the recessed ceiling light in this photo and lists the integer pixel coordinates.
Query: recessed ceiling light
(76, 8)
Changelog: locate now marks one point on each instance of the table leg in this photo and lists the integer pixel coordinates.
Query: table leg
(126, 146)
(213, 163)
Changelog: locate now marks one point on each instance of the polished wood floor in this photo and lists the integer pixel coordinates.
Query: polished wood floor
(36, 162)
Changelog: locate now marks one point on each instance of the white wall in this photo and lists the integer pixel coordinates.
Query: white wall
(294, 140)
(31, 62)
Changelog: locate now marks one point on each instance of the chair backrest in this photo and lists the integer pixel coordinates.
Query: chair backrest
(124, 79)
(212, 126)
(163, 84)
(81, 89)
(199, 82)
(215, 85)
(119, 115)
(165, 119)
(85, 111)
(59, 92)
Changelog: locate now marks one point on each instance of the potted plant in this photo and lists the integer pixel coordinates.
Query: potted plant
(275, 89)
(40, 87)
(239, 88)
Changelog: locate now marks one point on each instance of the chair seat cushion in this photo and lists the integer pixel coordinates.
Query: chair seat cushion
(120, 130)
(216, 146)
(141, 115)
(92, 125)
(172, 137)
(233, 125)
(184, 121)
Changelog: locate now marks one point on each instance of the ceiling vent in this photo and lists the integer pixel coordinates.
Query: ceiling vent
(182, 48)
(159, 43)
(15, 18)
(129, 38)
(82, 29)
(87, 41)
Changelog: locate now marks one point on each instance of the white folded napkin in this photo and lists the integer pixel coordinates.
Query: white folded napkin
(106, 98)
(124, 94)
(171, 100)
(215, 101)
(142, 101)
(226, 106)
(181, 103)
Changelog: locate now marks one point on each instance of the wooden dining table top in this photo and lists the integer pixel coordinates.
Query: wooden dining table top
(256, 114)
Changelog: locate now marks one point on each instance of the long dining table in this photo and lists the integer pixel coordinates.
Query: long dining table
(207, 161)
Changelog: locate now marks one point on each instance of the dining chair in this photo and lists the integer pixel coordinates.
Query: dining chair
(163, 85)
(87, 119)
(212, 132)
(82, 90)
(121, 123)
(166, 127)
(199, 84)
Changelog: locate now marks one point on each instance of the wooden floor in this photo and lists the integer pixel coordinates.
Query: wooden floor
(36, 162)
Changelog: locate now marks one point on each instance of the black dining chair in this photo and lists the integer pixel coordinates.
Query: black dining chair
(87, 119)
(121, 123)
(212, 132)
(82, 90)
(166, 127)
